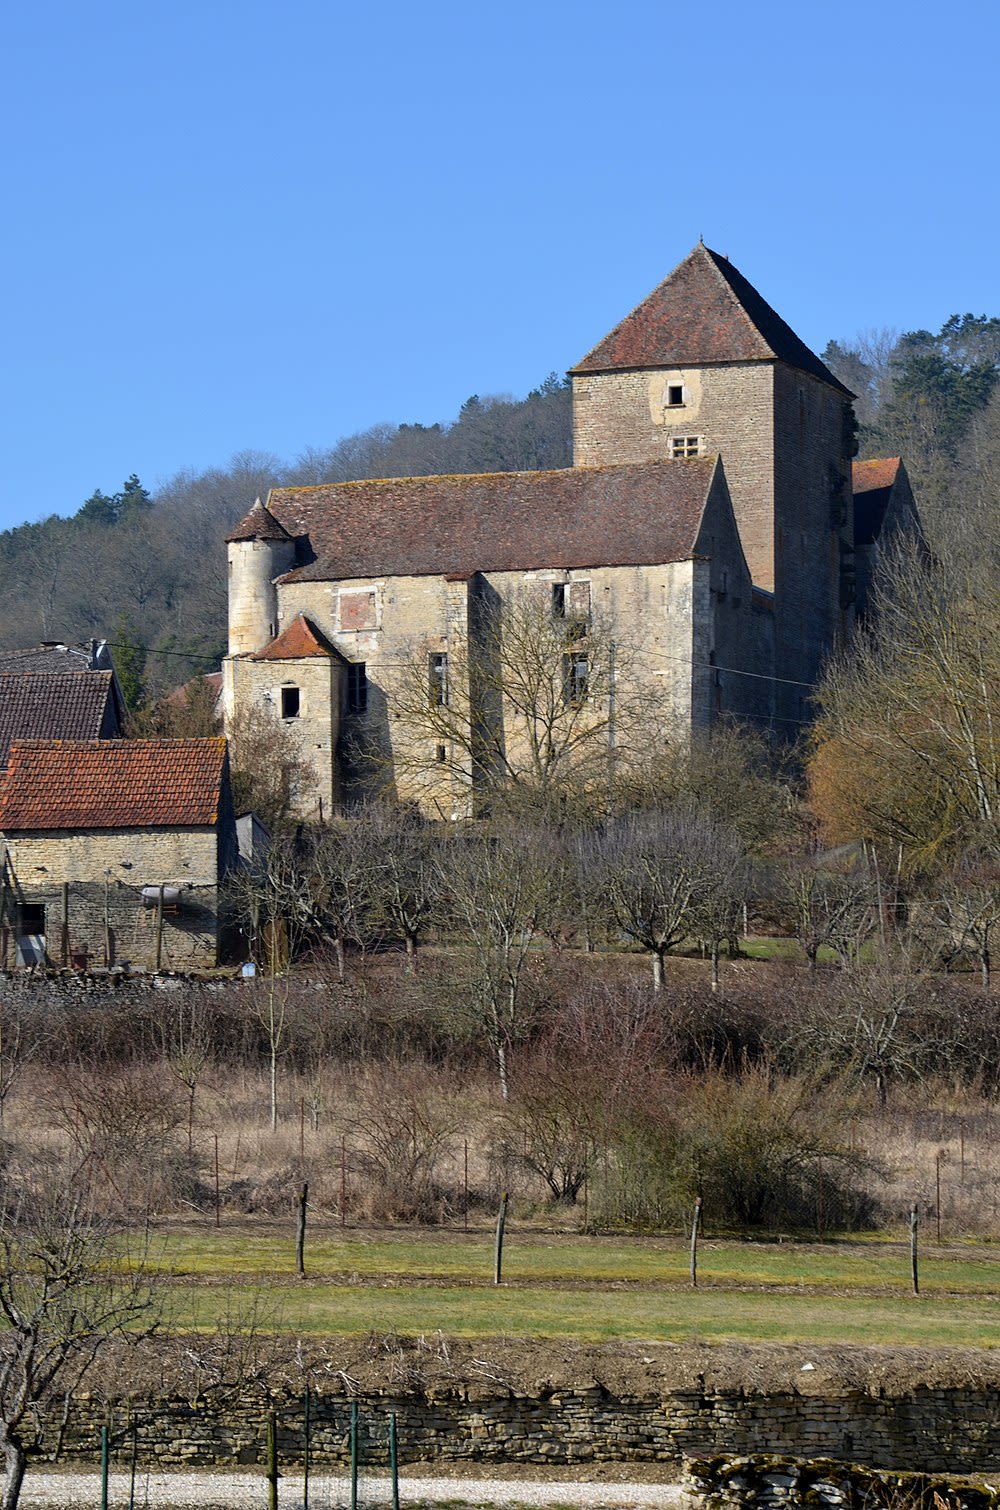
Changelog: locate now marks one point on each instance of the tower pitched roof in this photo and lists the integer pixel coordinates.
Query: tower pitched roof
(259, 524)
(705, 311)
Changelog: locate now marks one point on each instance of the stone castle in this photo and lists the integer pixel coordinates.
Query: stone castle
(708, 531)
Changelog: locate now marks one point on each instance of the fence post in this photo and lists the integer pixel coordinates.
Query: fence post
(104, 1468)
(272, 1461)
(913, 1250)
(393, 1460)
(300, 1240)
(498, 1245)
(306, 1437)
(354, 1455)
(694, 1243)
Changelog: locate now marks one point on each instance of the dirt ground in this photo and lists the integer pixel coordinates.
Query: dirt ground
(485, 1368)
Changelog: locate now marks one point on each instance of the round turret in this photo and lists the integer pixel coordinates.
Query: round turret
(259, 549)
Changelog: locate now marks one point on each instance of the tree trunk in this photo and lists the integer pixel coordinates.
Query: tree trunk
(410, 968)
(658, 969)
(15, 1464)
(715, 964)
(274, 1086)
(502, 1070)
(984, 960)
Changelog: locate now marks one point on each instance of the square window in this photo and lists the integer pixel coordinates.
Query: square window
(675, 396)
(685, 445)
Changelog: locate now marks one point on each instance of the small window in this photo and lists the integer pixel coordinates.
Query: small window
(441, 754)
(437, 678)
(290, 702)
(675, 395)
(685, 445)
(357, 687)
(576, 675)
(571, 601)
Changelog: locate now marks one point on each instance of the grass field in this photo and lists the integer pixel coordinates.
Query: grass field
(583, 1288)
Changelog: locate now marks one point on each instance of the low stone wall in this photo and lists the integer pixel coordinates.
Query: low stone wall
(932, 1430)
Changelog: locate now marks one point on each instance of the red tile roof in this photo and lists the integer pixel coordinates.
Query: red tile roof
(56, 705)
(299, 642)
(259, 524)
(632, 515)
(879, 473)
(704, 312)
(114, 783)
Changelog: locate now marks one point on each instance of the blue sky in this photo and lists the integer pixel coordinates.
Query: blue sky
(262, 225)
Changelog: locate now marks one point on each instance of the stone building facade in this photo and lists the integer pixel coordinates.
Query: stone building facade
(707, 525)
(114, 852)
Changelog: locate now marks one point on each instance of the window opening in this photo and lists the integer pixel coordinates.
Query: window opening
(357, 687)
(290, 702)
(675, 396)
(441, 754)
(438, 680)
(576, 670)
(685, 445)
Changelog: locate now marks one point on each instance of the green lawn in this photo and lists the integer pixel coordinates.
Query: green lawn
(585, 1288)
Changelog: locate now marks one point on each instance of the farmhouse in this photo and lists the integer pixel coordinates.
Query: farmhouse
(115, 851)
(703, 544)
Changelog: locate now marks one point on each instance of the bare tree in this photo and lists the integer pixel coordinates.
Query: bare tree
(541, 698)
(497, 890)
(830, 902)
(69, 1284)
(657, 873)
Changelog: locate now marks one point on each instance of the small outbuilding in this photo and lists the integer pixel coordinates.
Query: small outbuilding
(115, 852)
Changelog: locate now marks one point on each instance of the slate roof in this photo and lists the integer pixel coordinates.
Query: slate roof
(54, 784)
(634, 515)
(56, 705)
(54, 657)
(705, 311)
(872, 483)
(300, 641)
(259, 524)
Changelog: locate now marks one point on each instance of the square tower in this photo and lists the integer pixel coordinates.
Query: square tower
(702, 366)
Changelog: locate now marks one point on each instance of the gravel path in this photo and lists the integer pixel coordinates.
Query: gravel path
(230, 1491)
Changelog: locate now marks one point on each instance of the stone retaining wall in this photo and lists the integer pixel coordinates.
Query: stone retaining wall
(946, 1430)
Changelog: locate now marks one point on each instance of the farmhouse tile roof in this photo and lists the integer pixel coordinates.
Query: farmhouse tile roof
(705, 311)
(56, 705)
(300, 641)
(259, 524)
(54, 784)
(635, 515)
(872, 483)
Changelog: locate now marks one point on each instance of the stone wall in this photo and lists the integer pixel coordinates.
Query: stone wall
(128, 860)
(946, 1430)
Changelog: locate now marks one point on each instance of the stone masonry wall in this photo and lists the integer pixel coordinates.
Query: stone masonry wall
(620, 417)
(133, 858)
(947, 1430)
